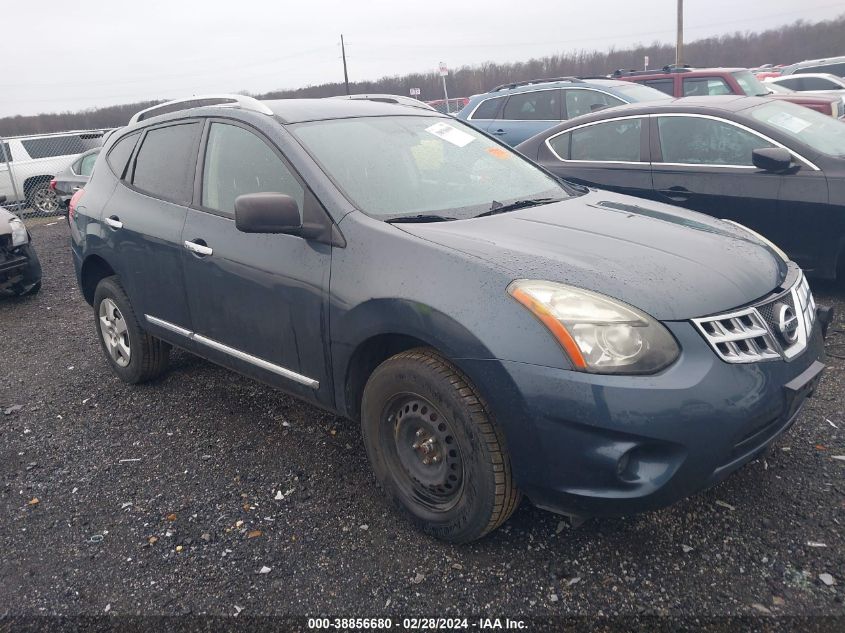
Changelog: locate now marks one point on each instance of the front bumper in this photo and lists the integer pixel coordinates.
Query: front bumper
(20, 269)
(590, 445)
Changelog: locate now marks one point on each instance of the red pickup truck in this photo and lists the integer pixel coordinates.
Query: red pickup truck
(683, 81)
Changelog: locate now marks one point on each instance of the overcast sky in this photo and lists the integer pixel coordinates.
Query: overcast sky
(75, 55)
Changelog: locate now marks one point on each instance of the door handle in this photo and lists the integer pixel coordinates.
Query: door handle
(199, 247)
(677, 194)
(75, 189)
(114, 222)
(498, 132)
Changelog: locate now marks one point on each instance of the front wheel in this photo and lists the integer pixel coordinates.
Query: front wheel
(435, 449)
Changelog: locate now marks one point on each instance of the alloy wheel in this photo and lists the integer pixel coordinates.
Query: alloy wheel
(45, 201)
(114, 333)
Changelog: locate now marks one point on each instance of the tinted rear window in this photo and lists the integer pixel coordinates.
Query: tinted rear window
(488, 109)
(663, 85)
(121, 151)
(54, 146)
(165, 163)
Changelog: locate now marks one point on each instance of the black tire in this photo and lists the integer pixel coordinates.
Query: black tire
(148, 355)
(466, 493)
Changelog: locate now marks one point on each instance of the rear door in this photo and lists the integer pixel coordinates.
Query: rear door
(144, 218)
(526, 114)
(485, 113)
(611, 154)
(578, 101)
(257, 301)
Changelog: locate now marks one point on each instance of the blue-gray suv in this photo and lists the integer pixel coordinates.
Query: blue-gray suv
(494, 331)
(517, 111)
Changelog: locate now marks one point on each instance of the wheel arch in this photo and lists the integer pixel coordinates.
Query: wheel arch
(379, 329)
(94, 269)
(33, 181)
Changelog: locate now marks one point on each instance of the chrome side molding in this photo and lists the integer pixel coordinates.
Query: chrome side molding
(236, 353)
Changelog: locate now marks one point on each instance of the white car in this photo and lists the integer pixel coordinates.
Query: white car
(28, 163)
(832, 65)
(823, 83)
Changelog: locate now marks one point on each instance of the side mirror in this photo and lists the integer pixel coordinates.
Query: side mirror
(267, 213)
(771, 159)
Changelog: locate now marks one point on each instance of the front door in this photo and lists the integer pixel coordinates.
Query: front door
(705, 164)
(257, 301)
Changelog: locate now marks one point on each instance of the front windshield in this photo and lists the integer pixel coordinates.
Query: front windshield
(750, 85)
(821, 132)
(638, 92)
(396, 166)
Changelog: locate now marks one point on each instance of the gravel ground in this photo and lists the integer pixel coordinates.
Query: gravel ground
(170, 498)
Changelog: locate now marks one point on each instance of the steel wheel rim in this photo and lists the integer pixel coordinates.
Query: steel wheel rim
(422, 451)
(114, 333)
(45, 200)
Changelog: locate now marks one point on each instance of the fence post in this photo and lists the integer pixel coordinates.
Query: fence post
(8, 160)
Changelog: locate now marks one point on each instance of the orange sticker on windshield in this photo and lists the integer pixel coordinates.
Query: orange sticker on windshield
(498, 152)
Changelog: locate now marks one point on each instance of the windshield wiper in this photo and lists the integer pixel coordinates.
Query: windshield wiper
(498, 207)
(420, 218)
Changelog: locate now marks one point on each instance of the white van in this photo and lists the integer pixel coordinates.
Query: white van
(28, 163)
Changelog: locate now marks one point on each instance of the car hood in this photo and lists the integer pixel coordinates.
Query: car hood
(672, 263)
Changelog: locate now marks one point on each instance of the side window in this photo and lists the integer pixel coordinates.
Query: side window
(794, 83)
(663, 85)
(539, 105)
(580, 102)
(488, 109)
(833, 69)
(238, 162)
(560, 144)
(699, 141)
(53, 146)
(700, 86)
(5, 153)
(608, 141)
(818, 83)
(120, 152)
(164, 166)
(86, 165)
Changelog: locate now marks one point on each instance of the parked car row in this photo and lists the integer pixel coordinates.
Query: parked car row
(495, 329)
(28, 164)
(771, 165)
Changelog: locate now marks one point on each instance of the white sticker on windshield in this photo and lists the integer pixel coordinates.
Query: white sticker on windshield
(789, 122)
(451, 134)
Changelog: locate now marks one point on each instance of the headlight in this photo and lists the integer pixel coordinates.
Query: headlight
(598, 333)
(765, 240)
(19, 234)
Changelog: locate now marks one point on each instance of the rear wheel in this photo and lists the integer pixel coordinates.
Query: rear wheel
(435, 449)
(134, 355)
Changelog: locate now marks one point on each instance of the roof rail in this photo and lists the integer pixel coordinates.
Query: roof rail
(669, 68)
(224, 100)
(530, 82)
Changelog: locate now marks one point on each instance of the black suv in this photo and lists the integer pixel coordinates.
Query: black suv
(495, 331)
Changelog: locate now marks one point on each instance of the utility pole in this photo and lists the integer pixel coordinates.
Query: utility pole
(345, 74)
(679, 45)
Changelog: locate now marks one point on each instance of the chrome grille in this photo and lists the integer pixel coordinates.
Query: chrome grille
(756, 333)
